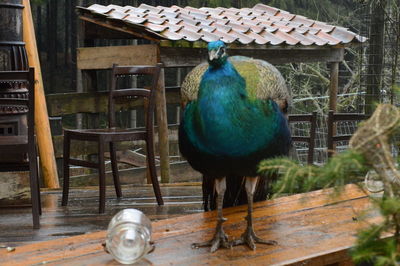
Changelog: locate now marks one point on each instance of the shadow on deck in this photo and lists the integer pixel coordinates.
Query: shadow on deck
(81, 215)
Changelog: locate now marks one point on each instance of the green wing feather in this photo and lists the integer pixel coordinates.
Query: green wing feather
(263, 81)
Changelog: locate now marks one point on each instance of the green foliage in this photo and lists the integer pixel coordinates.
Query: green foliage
(295, 178)
(210, 3)
(325, 10)
(372, 246)
(389, 206)
(38, 2)
(396, 91)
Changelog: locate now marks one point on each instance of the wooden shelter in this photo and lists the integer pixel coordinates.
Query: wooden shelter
(178, 36)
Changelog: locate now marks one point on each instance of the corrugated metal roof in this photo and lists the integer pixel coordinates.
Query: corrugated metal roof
(262, 24)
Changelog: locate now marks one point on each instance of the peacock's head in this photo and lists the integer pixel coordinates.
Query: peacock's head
(217, 53)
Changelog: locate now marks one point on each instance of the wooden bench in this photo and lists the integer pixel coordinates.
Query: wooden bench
(316, 231)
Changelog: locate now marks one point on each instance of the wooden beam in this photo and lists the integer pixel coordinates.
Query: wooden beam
(95, 31)
(253, 46)
(14, 189)
(79, 148)
(162, 129)
(84, 148)
(77, 102)
(105, 57)
(180, 172)
(60, 104)
(42, 125)
(131, 157)
(173, 56)
(119, 27)
(183, 57)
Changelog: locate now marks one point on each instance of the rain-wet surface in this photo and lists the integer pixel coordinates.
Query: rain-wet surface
(81, 215)
(310, 229)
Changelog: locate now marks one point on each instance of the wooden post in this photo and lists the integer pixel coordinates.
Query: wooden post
(163, 129)
(43, 134)
(333, 91)
(333, 87)
(178, 83)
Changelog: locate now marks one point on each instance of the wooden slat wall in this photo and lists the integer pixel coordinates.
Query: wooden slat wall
(105, 57)
(90, 148)
(93, 102)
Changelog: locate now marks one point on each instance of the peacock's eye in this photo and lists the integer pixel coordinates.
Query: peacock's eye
(221, 51)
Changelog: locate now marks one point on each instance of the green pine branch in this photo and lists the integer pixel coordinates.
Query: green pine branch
(344, 168)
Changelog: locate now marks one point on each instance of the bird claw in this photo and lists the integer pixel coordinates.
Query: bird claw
(250, 238)
(220, 239)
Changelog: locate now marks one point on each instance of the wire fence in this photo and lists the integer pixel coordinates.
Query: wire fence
(369, 75)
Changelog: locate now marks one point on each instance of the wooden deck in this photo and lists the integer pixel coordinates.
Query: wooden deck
(316, 231)
(81, 215)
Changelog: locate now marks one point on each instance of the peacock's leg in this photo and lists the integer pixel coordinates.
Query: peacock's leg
(220, 238)
(249, 237)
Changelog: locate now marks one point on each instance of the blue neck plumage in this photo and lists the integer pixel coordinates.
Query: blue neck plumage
(222, 80)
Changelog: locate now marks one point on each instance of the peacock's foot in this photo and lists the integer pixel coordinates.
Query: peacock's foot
(250, 238)
(220, 239)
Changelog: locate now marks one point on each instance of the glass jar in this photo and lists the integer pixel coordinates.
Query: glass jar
(128, 236)
(374, 184)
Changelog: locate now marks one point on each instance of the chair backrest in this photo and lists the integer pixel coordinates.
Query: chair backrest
(22, 77)
(149, 92)
(310, 139)
(334, 118)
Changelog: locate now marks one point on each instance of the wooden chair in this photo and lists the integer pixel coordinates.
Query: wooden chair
(332, 136)
(23, 144)
(310, 139)
(110, 135)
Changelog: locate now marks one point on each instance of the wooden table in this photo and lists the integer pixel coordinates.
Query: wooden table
(316, 231)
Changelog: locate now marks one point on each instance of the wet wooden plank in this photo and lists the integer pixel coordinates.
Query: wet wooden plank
(317, 231)
(81, 215)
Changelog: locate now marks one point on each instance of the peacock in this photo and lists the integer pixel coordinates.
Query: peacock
(234, 117)
(263, 81)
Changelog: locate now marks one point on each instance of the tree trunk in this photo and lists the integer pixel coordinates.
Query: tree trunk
(67, 32)
(39, 32)
(395, 63)
(74, 42)
(375, 55)
(52, 40)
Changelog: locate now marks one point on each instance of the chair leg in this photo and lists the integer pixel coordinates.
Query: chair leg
(153, 172)
(38, 185)
(102, 177)
(114, 165)
(66, 154)
(34, 188)
(39, 197)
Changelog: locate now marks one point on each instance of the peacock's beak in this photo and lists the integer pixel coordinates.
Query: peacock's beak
(212, 55)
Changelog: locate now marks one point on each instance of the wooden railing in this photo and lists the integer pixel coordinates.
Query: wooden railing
(61, 104)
